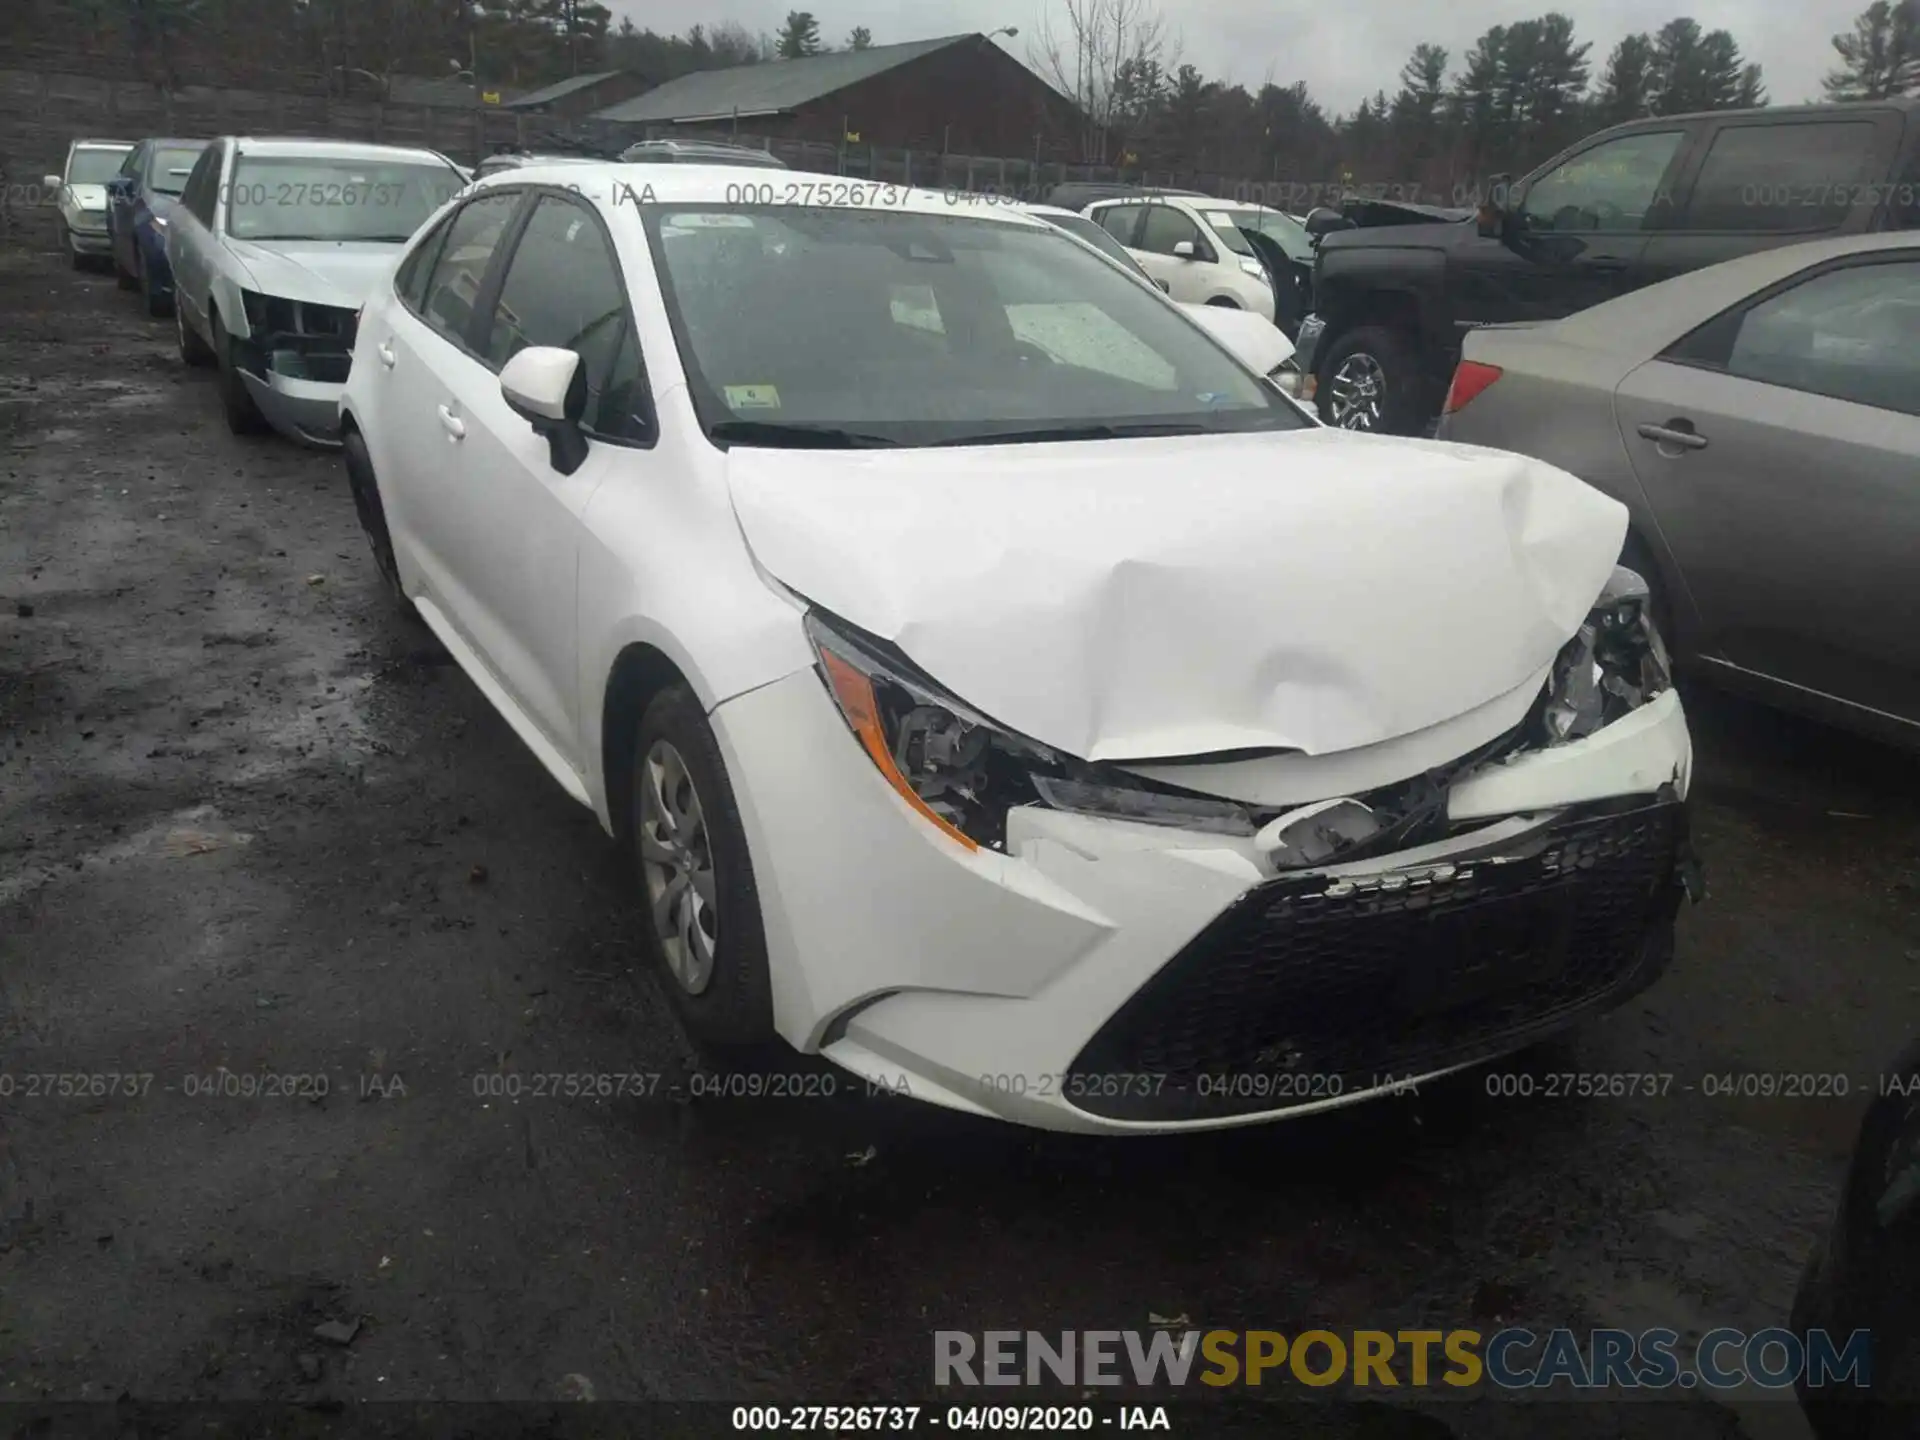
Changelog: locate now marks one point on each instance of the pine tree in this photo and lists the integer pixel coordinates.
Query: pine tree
(1626, 90)
(1881, 57)
(860, 39)
(800, 36)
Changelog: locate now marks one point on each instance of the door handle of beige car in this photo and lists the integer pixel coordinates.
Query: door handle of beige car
(385, 352)
(1687, 439)
(452, 424)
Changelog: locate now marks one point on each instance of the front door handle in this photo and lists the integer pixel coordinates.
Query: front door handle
(385, 352)
(452, 424)
(1607, 265)
(1678, 433)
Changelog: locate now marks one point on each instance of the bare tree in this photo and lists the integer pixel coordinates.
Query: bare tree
(1090, 53)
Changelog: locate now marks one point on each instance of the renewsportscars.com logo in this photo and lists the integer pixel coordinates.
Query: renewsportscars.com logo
(1510, 1359)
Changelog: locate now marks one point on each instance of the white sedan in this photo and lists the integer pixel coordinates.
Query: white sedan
(1004, 690)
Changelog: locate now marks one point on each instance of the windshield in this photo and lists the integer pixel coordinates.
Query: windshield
(169, 166)
(1223, 223)
(308, 198)
(1283, 230)
(817, 326)
(94, 166)
(1095, 235)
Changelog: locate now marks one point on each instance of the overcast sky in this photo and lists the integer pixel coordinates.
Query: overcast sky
(1344, 50)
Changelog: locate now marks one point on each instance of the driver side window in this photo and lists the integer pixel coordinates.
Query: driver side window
(1614, 186)
(563, 288)
(1166, 228)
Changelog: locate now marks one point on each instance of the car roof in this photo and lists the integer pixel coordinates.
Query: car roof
(1646, 321)
(723, 184)
(104, 144)
(268, 145)
(1054, 210)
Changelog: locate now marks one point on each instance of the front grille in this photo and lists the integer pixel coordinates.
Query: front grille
(1308, 988)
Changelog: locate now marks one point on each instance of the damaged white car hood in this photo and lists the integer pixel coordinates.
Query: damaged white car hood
(1124, 600)
(322, 272)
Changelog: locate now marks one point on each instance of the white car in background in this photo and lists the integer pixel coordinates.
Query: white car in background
(274, 246)
(80, 194)
(1005, 691)
(1253, 339)
(1192, 248)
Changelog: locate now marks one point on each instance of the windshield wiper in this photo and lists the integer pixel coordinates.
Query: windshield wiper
(797, 437)
(1110, 431)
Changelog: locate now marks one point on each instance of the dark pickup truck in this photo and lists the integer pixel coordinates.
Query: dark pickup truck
(1629, 206)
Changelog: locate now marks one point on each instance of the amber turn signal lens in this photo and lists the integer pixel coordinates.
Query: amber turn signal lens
(854, 693)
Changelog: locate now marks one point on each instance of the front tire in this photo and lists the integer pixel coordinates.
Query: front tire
(121, 277)
(72, 247)
(243, 416)
(703, 924)
(1372, 383)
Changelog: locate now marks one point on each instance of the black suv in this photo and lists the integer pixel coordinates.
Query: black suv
(1624, 208)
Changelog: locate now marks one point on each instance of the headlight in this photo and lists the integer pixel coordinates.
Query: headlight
(1253, 268)
(1616, 663)
(962, 771)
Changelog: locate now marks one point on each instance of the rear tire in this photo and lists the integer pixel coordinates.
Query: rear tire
(701, 908)
(1372, 382)
(373, 517)
(243, 416)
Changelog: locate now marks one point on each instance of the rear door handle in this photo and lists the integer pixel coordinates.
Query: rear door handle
(385, 352)
(1685, 438)
(452, 424)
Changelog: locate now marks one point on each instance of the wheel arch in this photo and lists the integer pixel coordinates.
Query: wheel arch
(640, 671)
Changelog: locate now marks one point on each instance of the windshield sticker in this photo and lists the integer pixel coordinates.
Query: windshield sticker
(573, 230)
(753, 397)
(714, 222)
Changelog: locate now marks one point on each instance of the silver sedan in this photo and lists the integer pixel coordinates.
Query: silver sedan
(1761, 421)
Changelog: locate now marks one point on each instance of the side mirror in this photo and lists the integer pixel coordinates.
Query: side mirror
(547, 387)
(1258, 342)
(1184, 250)
(1495, 220)
(52, 182)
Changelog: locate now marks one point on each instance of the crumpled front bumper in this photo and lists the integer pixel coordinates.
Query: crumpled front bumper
(304, 410)
(1099, 974)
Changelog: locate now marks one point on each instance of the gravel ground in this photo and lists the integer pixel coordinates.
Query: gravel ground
(248, 820)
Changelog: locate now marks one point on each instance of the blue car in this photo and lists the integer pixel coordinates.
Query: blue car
(138, 199)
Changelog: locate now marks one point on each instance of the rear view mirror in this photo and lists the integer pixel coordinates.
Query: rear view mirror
(1184, 250)
(547, 387)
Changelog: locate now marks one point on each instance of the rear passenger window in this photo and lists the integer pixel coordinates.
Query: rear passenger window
(1119, 220)
(1847, 333)
(461, 267)
(1783, 179)
(563, 288)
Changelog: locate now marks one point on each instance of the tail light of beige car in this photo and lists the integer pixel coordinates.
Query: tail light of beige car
(1468, 381)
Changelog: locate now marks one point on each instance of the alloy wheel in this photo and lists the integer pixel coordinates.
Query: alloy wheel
(1359, 389)
(677, 860)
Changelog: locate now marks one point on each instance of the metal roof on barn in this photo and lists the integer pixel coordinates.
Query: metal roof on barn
(559, 90)
(771, 87)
